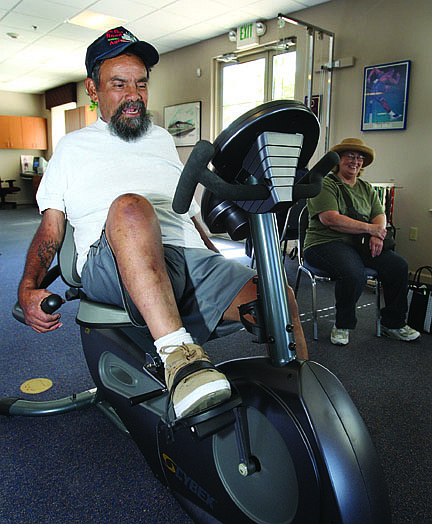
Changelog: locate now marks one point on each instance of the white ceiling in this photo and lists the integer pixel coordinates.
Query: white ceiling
(50, 51)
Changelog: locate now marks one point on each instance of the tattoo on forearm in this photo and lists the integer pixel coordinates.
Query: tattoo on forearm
(46, 252)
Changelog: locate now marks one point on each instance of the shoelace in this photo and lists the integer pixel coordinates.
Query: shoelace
(189, 352)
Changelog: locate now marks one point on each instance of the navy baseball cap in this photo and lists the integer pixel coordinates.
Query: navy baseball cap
(116, 41)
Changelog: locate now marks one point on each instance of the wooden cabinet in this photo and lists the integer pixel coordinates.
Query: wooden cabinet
(23, 132)
(80, 117)
(10, 132)
(34, 133)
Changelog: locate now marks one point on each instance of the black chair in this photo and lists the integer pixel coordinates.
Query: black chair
(290, 229)
(10, 189)
(316, 275)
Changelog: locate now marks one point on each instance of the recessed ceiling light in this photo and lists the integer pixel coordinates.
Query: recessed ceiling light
(92, 20)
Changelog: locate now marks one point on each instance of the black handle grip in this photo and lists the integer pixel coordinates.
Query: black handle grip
(196, 171)
(51, 303)
(310, 185)
(197, 162)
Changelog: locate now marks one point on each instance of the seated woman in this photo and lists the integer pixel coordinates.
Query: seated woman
(329, 245)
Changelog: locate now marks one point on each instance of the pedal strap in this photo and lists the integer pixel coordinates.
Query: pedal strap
(189, 369)
(182, 373)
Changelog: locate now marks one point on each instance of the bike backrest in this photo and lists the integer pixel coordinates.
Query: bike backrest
(92, 314)
(67, 258)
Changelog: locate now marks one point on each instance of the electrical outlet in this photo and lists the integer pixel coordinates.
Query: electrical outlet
(413, 233)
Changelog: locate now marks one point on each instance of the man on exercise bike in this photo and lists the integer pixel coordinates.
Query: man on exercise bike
(114, 181)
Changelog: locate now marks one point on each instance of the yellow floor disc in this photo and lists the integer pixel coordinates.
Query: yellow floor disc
(36, 385)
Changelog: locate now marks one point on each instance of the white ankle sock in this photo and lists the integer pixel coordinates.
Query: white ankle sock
(176, 338)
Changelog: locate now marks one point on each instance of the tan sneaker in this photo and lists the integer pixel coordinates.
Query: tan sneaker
(199, 390)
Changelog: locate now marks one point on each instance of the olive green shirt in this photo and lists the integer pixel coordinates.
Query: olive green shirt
(365, 201)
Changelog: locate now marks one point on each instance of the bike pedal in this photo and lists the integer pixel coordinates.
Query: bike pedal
(211, 420)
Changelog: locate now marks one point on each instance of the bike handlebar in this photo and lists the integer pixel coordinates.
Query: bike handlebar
(196, 171)
(51, 303)
(310, 185)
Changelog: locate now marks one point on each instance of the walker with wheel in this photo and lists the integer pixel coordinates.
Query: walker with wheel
(289, 446)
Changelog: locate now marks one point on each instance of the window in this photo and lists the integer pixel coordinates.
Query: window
(284, 70)
(242, 88)
(253, 80)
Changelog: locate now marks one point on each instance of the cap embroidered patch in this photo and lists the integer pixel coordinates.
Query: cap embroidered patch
(115, 36)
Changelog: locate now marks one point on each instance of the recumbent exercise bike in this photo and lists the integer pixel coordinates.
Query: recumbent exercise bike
(289, 446)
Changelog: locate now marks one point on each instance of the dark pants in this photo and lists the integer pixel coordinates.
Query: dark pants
(342, 262)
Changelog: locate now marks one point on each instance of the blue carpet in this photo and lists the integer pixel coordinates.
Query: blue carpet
(78, 469)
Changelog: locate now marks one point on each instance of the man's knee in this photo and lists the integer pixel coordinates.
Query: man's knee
(129, 209)
(128, 203)
(247, 294)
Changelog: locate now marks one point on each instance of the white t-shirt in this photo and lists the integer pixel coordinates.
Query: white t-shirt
(91, 167)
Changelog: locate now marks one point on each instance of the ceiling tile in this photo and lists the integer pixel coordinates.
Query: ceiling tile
(178, 39)
(234, 4)
(125, 10)
(40, 82)
(10, 70)
(75, 32)
(59, 43)
(14, 44)
(159, 23)
(73, 62)
(147, 31)
(19, 21)
(273, 8)
(77, 4)
(35, 55)
(197, 9)
(203, 29)
(8, 4)
(46, 9)
(233, 19)
(155, 4)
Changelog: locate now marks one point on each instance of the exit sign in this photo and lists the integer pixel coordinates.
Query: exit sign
(247, 35)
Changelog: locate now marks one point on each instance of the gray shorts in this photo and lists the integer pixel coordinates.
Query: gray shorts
(204, 284)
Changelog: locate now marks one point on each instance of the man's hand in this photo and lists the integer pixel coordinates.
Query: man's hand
(43, 248)
(30, 301)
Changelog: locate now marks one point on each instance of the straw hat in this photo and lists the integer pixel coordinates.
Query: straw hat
(356, 144)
